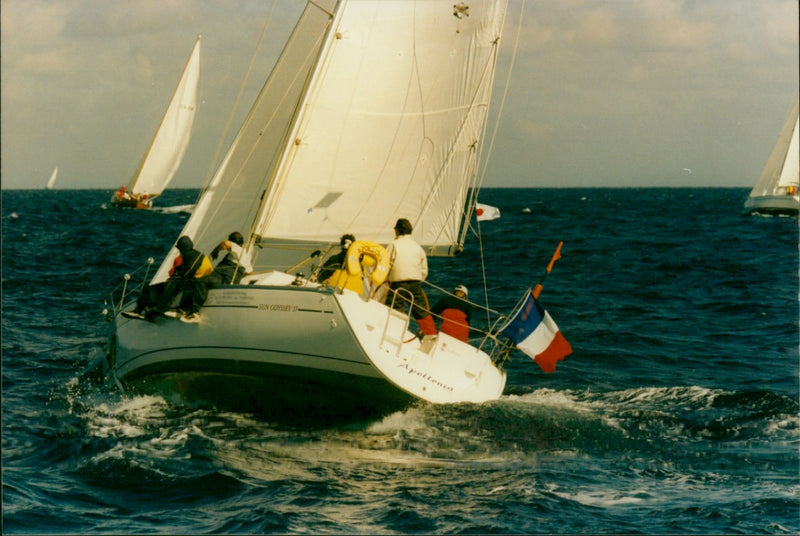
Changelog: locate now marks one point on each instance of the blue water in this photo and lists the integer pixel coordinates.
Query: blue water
(676, 413)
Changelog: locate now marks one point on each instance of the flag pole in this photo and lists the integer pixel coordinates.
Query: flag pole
(557, 255)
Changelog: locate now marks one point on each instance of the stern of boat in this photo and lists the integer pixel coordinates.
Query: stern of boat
(439, 369)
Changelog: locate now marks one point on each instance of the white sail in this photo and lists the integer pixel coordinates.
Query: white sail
(375, 111)
(776, 189)
(52, 181)
(790, 174)
(164, 156)
(378, 138)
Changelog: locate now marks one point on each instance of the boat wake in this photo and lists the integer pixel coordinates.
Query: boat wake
(163, 435)
(177, 209)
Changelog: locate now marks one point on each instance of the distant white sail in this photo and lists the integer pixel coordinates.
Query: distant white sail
(776, 190)
(164, 156)
(52, 181)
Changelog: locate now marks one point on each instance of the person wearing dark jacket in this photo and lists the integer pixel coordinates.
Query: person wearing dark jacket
(455, 312)
(335, 262)
(185, 287)
(234, 265)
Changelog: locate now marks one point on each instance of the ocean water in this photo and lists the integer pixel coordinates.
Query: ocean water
(676, 413)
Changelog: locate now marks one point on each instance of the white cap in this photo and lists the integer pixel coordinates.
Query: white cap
(463, 289)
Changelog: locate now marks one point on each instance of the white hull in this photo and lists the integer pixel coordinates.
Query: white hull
(772, 204)
(305, 350)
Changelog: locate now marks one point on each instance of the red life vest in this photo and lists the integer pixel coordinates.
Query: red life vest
(454, 323)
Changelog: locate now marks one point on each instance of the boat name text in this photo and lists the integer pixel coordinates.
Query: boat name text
(425, 376)
(279, 307)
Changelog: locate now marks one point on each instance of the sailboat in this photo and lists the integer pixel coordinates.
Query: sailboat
(165, 153)
(374, 111)
(776, 191)
(52, 181)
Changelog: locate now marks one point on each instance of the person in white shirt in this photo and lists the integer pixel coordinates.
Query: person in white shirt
(233, 266)
(409, 269)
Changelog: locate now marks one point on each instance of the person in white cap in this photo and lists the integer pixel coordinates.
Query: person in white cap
(455, 312)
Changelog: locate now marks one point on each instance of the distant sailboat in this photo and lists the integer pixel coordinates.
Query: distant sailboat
(52, 180)
(164, 156)
(776, 191)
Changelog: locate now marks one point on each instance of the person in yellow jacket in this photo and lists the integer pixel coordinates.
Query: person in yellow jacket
(409, 269)
(186, 286)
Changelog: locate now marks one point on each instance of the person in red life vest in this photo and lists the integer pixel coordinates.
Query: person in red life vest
(409, 269)
(455, 312)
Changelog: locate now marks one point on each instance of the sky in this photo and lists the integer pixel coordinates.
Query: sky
(602, 93)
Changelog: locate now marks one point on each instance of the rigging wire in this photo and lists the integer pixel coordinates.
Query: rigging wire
(212, 165)
(482, 174)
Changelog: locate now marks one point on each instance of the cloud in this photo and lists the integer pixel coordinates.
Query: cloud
(603, 91)
(667, 25)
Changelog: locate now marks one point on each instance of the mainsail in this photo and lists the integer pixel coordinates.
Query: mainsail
(164, 156)
(374, 111)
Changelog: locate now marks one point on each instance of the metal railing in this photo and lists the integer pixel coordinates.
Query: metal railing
(486, 341)
(118, 296)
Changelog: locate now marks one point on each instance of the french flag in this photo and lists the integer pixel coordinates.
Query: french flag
(536, 335)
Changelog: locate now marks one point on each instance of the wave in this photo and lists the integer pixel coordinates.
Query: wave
(151, 431)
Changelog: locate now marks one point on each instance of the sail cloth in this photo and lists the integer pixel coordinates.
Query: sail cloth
(486, 212)
(164, 156)
(536, 334)
(52, 181)
(376, 110)
(391, 125)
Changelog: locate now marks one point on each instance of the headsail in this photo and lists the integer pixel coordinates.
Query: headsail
(353, 130)
(164, 156)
